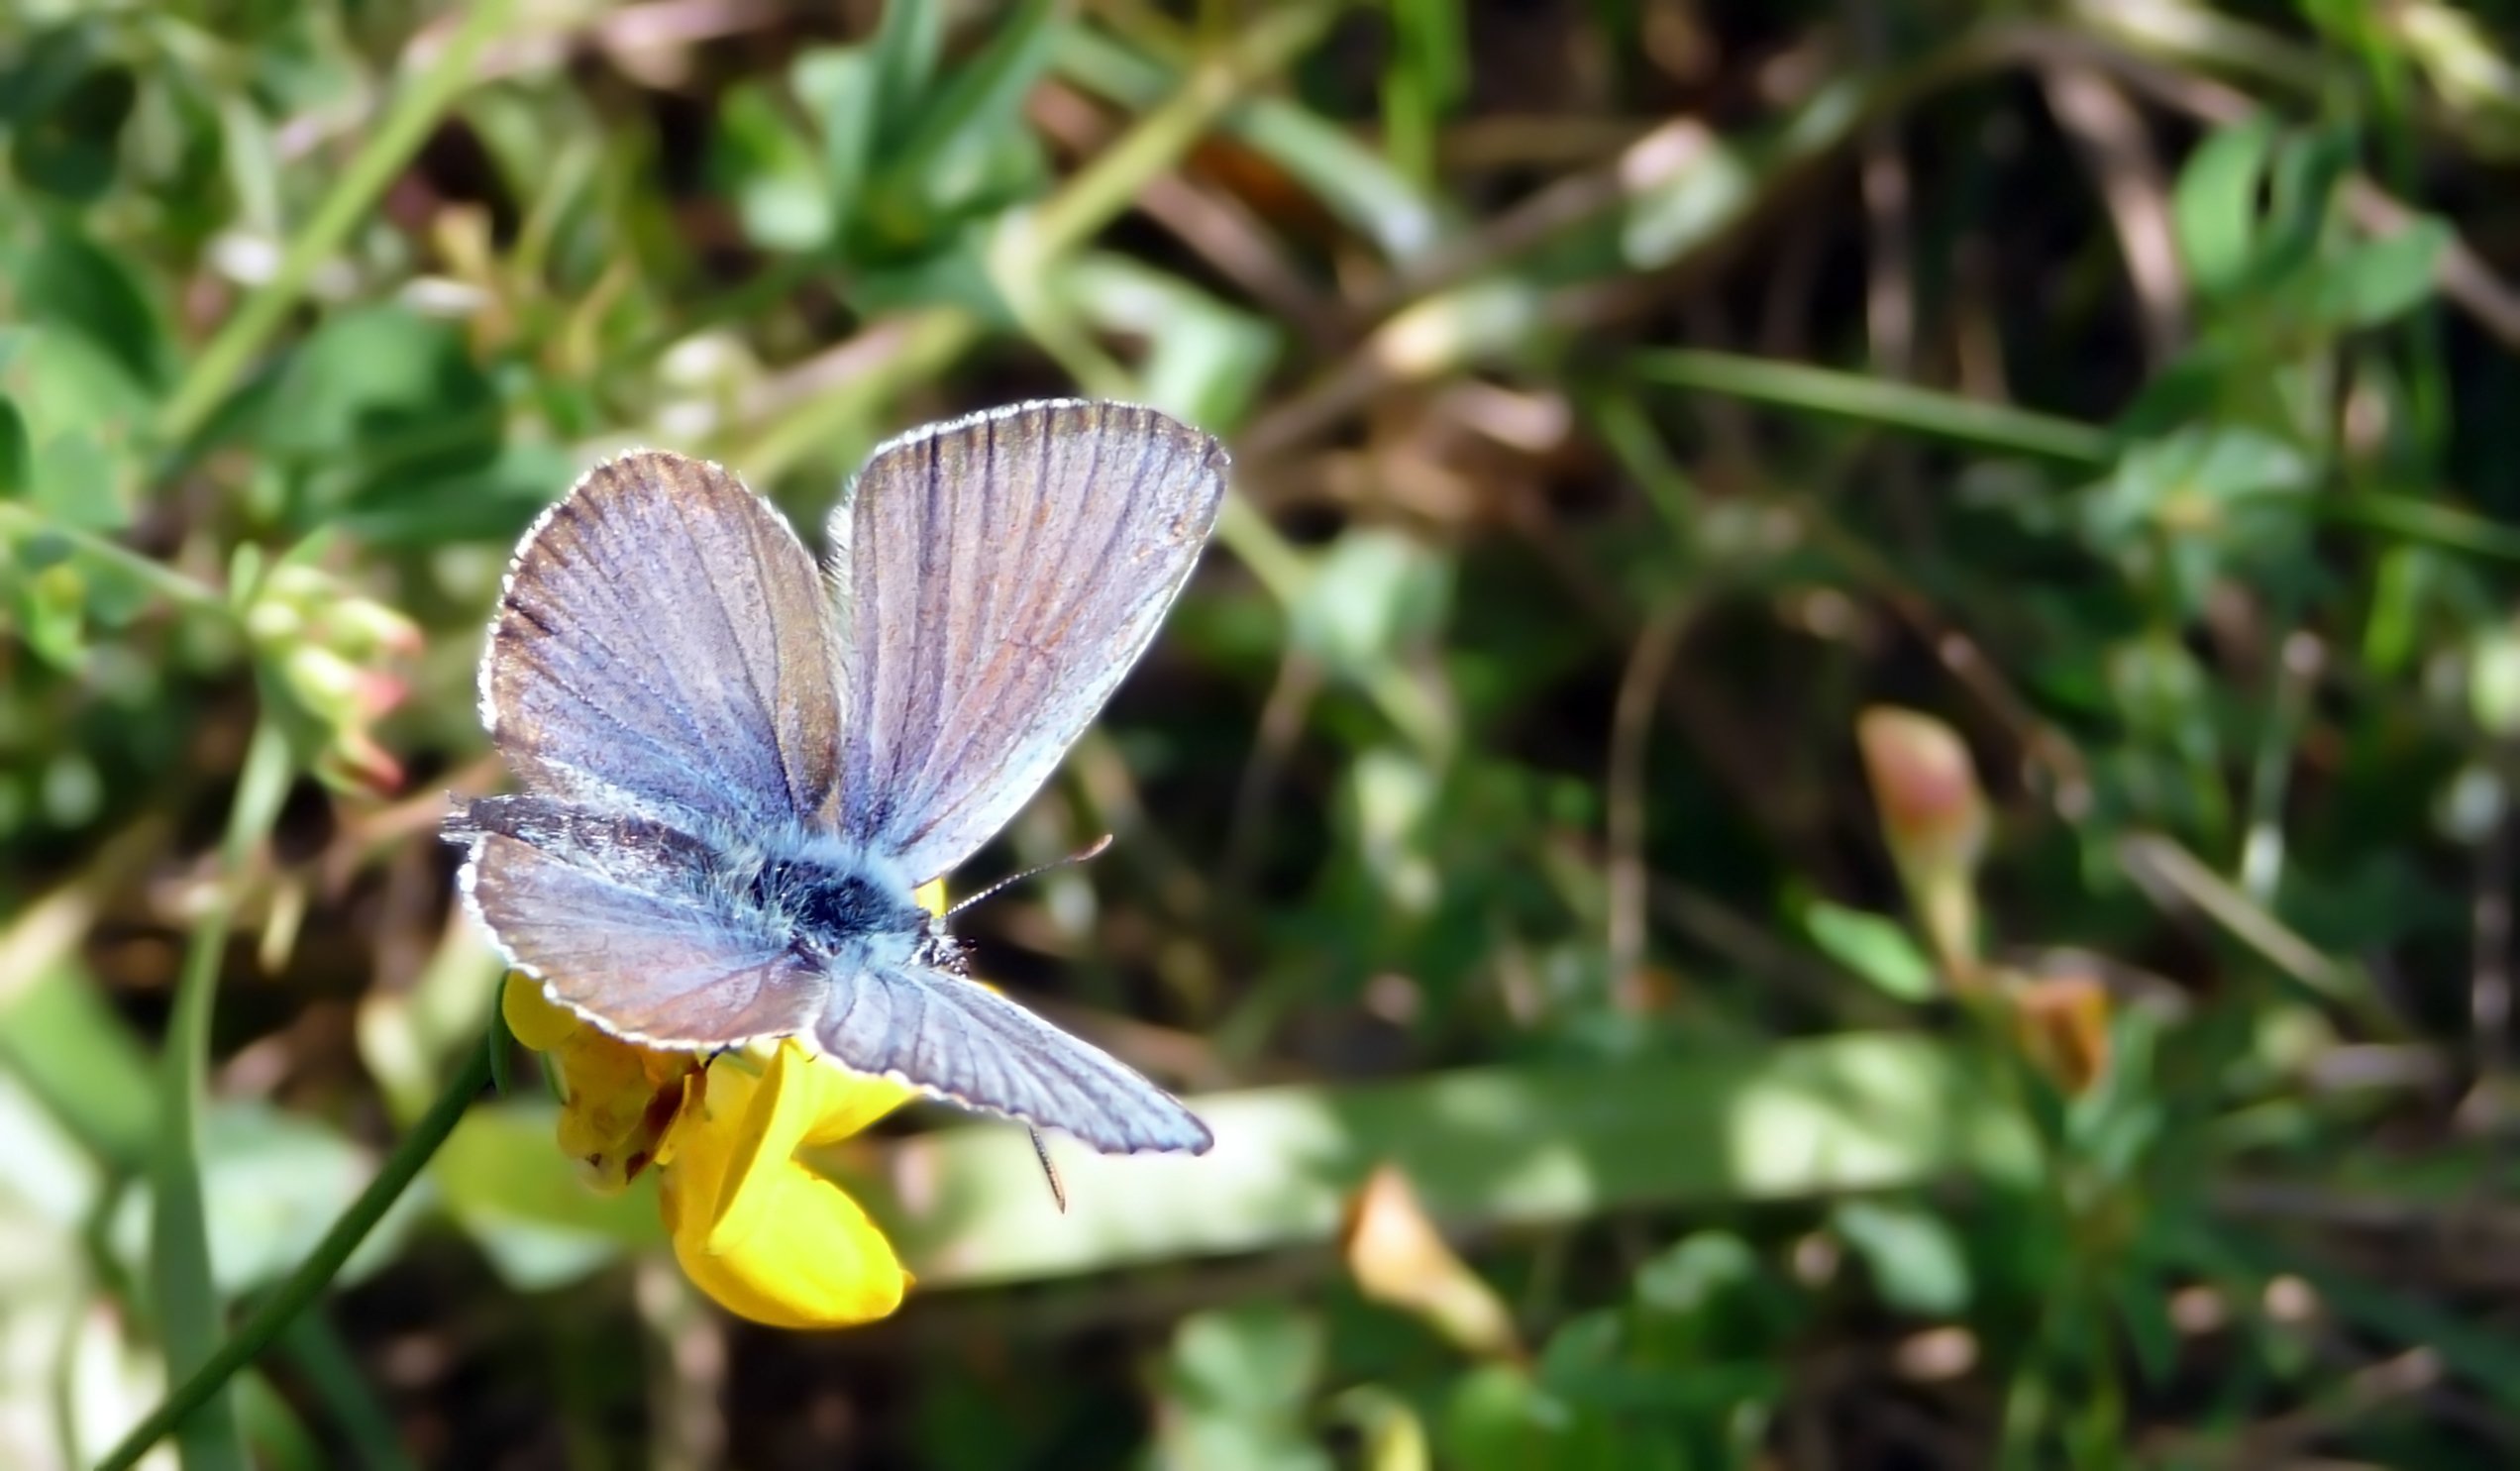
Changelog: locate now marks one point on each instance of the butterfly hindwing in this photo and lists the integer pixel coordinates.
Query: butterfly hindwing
(963, 1041)
(620, 919)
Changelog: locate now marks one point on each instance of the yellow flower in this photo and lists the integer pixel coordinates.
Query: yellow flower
(755, 1227)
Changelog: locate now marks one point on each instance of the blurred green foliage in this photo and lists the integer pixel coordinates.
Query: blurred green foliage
(2107, 1064)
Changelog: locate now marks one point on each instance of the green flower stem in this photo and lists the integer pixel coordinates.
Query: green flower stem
(398, 135)
(187, 1296)
(1991, 426)
(262, 1327)
(20, 519)
(2002, 428)
(1104, 189)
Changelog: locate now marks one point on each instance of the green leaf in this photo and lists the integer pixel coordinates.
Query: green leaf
(1498, 1418)
(69, 283)
(2214, 206)
(1696, 1271)
(17, 454)
(945, 163)
(58, 1035)
(1496, 1147)
(80, 410)
(66, 140)
(2143, 1304)
(1258, 1357)
(1914, 1256)
(2379, 280)
(1873, 946)
(1352, 180)
(772, 170)
(1240, 1379)
(273, 1183)
(1207, 362)
(903, 55)
(2200, 485)
(47, 604)
(2301, 192)
(380, 407)
(502, 1176)
(841, 87)
(1695, 204)
(1425, 81)
(1372, 594)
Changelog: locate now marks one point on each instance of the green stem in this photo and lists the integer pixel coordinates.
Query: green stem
(179, 1231)
(397, 136)
(276, 1312)
(173, 584)
(1850, 395)
(1108, 187)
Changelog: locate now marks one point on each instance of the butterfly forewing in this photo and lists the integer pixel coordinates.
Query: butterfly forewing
(663, 643)
(997, 577)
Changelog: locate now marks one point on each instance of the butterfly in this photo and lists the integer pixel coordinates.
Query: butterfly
(733, 772)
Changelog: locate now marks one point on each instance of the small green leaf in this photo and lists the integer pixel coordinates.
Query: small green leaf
(502, 1045)
(2214, 207)
(2301, 192)
(17, 454)
(945, 162)
(50, 607)
(772, 170)
(2379, 280)
(69, 281)
(2143, 1310)
(1240, 1380)
(1426, 76)
(1373, 593)
(274, 1183)
(904, 54)
(1688, 1278)
(1914, 1259)
(70, 146)
(1205, 361)
(1873, 946)
(841, 88)
(72, 1052)
(502, 1176)
(1256, 1357)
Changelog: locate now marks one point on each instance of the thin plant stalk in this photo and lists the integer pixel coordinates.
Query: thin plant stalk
(398, 135)
(263, 1326)
(187, 1296)
(1991, 426)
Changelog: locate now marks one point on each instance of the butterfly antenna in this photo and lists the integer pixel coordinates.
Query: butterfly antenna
(1089, 850)
(1049, 1170)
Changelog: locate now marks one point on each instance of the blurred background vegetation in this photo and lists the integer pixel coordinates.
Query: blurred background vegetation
(1838, 797)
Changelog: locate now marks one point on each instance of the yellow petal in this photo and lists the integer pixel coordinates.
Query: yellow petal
(537, 1020)
(844, 1102)
(616, 1099)
(765, 1236)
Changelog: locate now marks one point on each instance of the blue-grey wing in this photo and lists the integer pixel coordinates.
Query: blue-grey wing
(663, 643)
(962, 1041)
(618, 917)
(997, 577)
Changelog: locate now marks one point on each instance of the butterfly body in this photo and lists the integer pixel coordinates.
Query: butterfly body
(736, 773)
